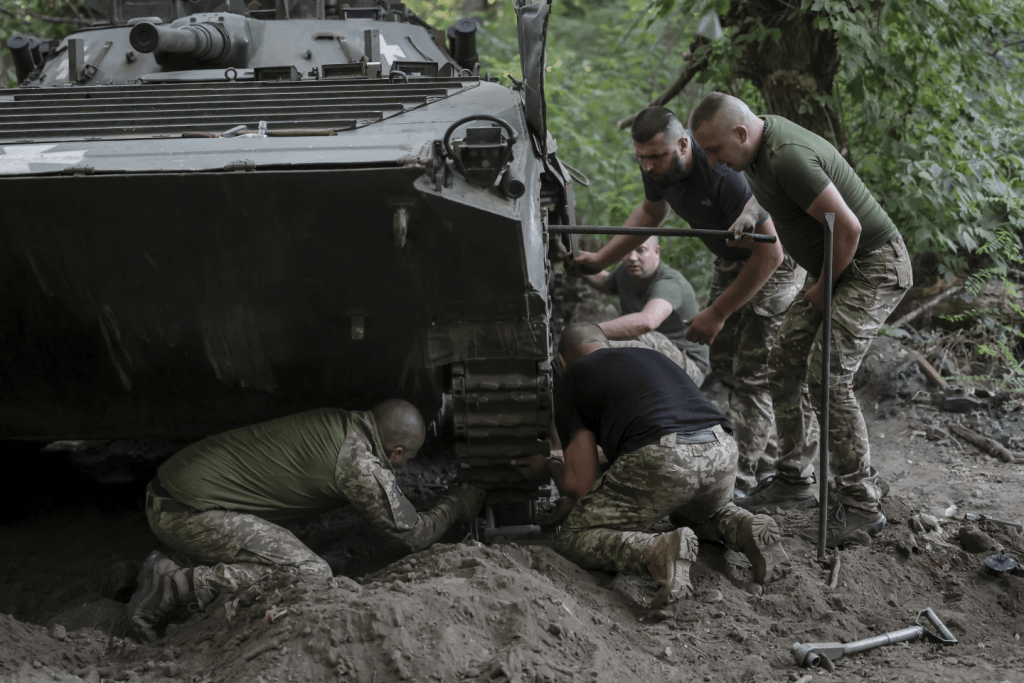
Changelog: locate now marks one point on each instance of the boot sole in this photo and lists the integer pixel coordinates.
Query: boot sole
(871, 528)
(764, 550)
(772, 508)
(678, 586)
(149, 584)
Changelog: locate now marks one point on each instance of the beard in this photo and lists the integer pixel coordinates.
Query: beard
(677, 173)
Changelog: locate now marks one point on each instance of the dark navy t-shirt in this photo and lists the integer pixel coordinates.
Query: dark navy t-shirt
(630, 398)
(709, 198)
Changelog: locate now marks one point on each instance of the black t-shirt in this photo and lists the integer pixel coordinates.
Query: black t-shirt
(709, 198)
(630, 398)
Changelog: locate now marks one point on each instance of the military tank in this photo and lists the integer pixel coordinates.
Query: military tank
(213, 214)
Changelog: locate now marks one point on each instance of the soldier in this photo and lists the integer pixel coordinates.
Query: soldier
(670, 453)
(799, 177)
(217, 503)
(751, 286)
(656, 303)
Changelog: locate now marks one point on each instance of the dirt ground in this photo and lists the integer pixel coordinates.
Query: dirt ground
(517, 611)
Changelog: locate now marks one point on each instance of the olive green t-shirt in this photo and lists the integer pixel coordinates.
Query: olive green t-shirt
(792, 167)
(283, 469)
(669, 284)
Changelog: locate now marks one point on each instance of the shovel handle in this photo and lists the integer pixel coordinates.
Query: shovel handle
(944, 636)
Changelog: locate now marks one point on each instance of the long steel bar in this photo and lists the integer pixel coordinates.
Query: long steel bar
(661, 232)
(826, 349)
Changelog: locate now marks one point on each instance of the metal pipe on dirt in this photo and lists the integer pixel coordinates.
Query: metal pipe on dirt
(826, 348)
(661, 232)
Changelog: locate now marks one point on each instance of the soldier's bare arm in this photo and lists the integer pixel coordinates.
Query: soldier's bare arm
(580, 470)
(634, 324)
(845, 238)
(763, 261)
(647, 214)
(599, 281)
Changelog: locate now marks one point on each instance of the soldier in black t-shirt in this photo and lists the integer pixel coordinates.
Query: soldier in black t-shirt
(671, 453)
(752, 284)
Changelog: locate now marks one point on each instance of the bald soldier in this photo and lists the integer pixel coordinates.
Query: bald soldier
(656, 303)
(799, 177)
(218, 503)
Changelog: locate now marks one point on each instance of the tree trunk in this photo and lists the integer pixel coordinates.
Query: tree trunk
(795, 72)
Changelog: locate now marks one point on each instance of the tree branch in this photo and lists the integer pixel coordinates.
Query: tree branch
(23, 14)
(693, 66)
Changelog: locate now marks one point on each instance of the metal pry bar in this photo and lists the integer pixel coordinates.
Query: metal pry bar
(826, 348)
(661, 232)
(809, 654)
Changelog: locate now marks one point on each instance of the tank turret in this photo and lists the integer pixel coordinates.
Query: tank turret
(213, 43)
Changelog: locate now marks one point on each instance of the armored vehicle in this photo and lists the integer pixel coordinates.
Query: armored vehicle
(213, 214)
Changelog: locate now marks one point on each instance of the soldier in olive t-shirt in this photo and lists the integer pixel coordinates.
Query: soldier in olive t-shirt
(218, 503)
(800, 178)
(654, 302)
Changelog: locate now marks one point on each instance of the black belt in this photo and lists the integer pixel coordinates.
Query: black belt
(159, 500)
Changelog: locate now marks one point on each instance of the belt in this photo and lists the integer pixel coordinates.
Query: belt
(706, 435)
(159, 500)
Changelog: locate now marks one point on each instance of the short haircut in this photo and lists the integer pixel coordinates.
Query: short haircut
(399, 423)
(734, 109)
(653, 120)
(576, 335)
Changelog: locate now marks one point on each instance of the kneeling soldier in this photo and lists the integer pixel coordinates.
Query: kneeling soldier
(217, 503)
(671, 454)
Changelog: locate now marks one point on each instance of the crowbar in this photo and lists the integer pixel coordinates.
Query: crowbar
(826, 349)
(660, 232)
(810, 654)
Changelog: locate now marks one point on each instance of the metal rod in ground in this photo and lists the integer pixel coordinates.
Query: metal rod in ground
(826, 348)
(661, 232)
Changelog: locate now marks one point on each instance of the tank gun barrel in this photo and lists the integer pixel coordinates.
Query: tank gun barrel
(202, 42)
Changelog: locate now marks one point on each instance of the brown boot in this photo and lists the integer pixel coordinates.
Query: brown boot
(761, 541)
(667, 559)
(164, 588)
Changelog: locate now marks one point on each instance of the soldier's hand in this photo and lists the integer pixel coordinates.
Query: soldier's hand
(815, 296)
(584, 264)
(741, 229)
(531, 468)
(704, 326)
(557, 513)
(467, 500)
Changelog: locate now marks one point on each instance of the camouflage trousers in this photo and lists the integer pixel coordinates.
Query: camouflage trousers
(229, 550)
(690, 482)
(667, 348)
(865, 295)
(739, 359)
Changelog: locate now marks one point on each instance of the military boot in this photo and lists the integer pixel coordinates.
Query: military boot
(667, 559)
(164, 589)
(119, 580)
(774, 494)
(761, 541)
(844, 522)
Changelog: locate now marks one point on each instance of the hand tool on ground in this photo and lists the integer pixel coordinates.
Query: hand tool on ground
(826, 349)
(661, 232)
(969, 517)
(809, 654)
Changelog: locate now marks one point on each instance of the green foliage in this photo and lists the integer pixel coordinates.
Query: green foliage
(40, 18)
(603, 64)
